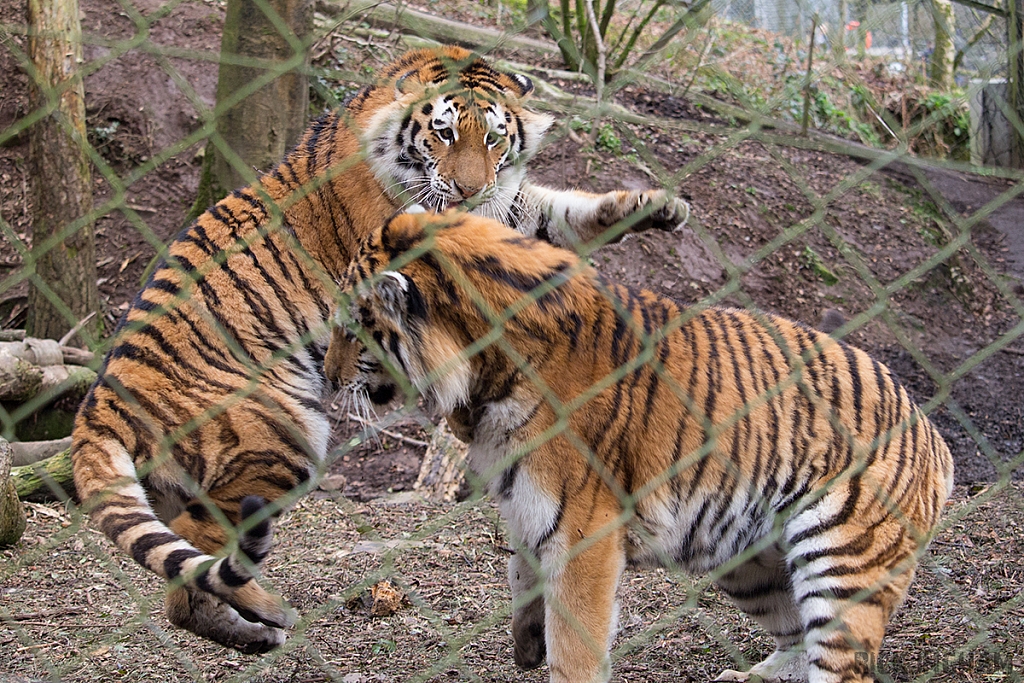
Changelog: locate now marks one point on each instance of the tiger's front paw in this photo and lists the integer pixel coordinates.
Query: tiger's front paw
(668, 213)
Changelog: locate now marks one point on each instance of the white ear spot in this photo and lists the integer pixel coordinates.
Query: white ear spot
(415, 208)
(524, 82)
(402, 281)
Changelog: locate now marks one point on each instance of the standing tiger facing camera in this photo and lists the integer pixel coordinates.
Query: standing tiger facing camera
(614, 429)
(208, 405)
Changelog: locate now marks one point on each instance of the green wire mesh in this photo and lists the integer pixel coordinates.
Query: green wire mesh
(75, 609)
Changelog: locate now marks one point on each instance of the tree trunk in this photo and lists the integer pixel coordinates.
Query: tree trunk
(257, 120)
(839, 35)
(63, 250)
(441, 472)
(12, 514)
(940, 68)
(860, 8)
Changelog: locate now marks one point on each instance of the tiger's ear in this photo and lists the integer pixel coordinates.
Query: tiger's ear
(524, 85)
(399, 297)
(391, 290)
(534, 126)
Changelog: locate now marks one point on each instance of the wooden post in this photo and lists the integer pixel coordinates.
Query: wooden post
(63, 251)
(807, 81)
(1015, 73)
(940, 68)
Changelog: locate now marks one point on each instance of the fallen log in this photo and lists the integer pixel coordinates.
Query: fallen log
(12, 514)
(29, 452)
(73, 356)
(437, 28)
(43, 352)
(46, 480)
(20, 380)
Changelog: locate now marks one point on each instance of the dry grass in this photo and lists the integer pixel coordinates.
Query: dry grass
(78, 610)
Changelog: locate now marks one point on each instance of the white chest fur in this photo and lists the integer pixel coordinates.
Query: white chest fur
(494, 456)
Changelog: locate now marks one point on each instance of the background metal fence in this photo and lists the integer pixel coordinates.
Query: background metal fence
(901, 31)
(919, 259)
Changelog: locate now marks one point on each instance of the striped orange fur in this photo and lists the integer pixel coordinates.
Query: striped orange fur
(208, 404)
(614, 428)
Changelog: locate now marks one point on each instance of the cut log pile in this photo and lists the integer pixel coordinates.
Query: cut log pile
(36, 374)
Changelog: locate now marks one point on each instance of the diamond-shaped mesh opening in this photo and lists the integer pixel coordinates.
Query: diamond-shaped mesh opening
(882, 245)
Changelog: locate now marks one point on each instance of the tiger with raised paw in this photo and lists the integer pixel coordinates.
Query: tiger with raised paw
(209, 402)
(615, 429)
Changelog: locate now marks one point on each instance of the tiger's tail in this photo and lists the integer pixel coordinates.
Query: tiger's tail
(109, 487)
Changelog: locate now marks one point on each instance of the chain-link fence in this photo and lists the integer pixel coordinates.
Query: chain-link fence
(916, 258)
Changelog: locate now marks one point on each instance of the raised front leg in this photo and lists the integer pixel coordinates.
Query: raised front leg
(567, 217)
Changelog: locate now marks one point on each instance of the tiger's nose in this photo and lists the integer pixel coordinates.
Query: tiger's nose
(467, 191)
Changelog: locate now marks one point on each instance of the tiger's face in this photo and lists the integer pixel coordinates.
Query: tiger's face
(383, 344)
(383, 347)
(422, 301)
(454, 132)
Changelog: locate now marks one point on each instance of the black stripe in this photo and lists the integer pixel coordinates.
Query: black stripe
(142, 545)
(230, 577)
(754, 592)
(176, 558)
(116, 524)
(841, 517)
(508, 479)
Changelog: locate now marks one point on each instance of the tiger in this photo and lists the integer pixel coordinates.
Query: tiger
(208, 408)
(614, 428)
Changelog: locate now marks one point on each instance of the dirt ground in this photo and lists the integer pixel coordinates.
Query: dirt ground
(77, 610)
(784, 229)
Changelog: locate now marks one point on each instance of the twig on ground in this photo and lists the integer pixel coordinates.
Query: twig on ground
(31, 616)
(388, 432)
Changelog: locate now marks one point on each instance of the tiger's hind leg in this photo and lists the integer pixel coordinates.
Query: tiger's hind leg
(205, 614)
(850, 573)
(762, 587)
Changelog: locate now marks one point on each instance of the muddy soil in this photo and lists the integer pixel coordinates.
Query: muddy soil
(791, 231)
